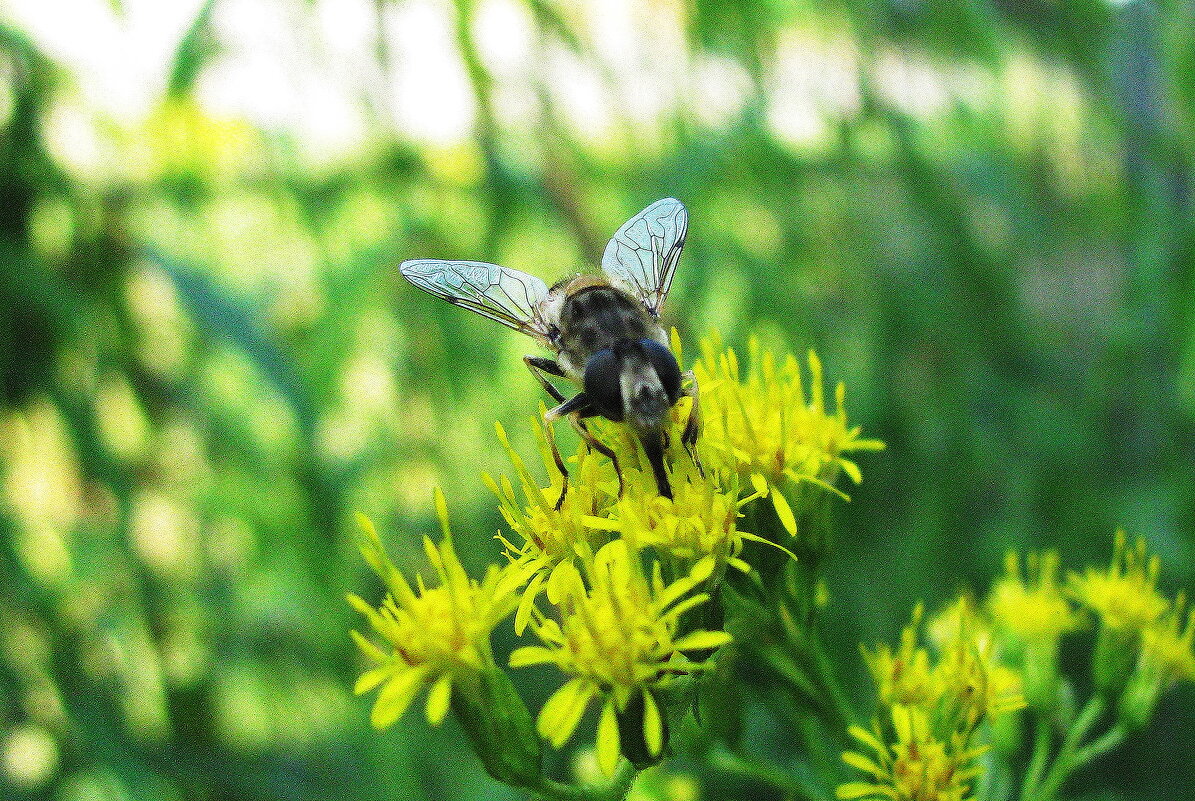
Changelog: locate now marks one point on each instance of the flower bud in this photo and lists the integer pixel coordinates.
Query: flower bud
(1114, 659)
(1139, 700)
(499, 728)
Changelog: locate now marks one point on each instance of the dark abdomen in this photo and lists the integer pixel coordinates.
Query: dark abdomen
(596, 317)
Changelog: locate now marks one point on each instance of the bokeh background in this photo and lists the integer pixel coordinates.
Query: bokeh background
(979, 213)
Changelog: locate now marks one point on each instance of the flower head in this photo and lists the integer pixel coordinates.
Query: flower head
(936, 703)
(430, 635)
(618, 636)
(1166, 658)
(1125, 595)
(700, 520)
(970, 682)
(917, 766)
(551, 536)
(960, 685)
(1167, 653)
(1031, 613)
(764, 423)
(903, 676)
(1030, 606)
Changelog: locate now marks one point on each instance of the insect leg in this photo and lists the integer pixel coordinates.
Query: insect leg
(693, 424)
(538, 366)
(592, 442)
(653, 448)
(566, 409)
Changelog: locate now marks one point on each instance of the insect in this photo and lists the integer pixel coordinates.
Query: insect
(604, 331)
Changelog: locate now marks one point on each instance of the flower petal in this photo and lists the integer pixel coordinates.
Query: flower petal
(698, 640)
(867, 738)
(396, 695)
(562, 712)
(372, 678)
(854, 790)
(653, 726)
(760, 484)
(531, 655)
(784, 512)
(527, 603)
(862, 763)
(438, 698)
(608, 749)
(370, 650)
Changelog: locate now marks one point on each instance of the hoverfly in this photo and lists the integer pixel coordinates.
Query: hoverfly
(604, 331)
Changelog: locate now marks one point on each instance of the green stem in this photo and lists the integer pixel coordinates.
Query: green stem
(1092, 751)
(742, 767)
(1041, 753)
(840, 704)
(1064, 763)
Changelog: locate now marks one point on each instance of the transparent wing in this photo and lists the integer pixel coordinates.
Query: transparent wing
(642, 256)
(508, 296)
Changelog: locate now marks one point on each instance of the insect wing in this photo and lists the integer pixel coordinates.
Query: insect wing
(642, 256)
(508, 296)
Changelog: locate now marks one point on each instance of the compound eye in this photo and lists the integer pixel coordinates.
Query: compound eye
(602, 384)
(665, 365)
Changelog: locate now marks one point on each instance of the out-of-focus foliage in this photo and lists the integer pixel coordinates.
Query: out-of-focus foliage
(981, 216)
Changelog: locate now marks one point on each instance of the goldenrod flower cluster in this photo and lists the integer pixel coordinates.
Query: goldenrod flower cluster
(1030, 605)
(1144, 644)
(687, 542)
(1031, 613)
(625, 591)
(911, 763)
(609, 576)
(1125, 594)
(984, 666)
(935, 701)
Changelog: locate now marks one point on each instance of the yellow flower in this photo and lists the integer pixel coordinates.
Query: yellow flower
(936, 707)
(961, 687)
(700, 520)
(970, 683)
(1125, 596)
(618, 636)
(916, 767)
(1167, 655)
(903, 676)
(1166, 658)
(430, 635)
(1031, 614)
(762, 424)
(1031, 606)
(551, 536)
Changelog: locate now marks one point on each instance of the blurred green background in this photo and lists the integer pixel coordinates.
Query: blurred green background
(979, 213)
